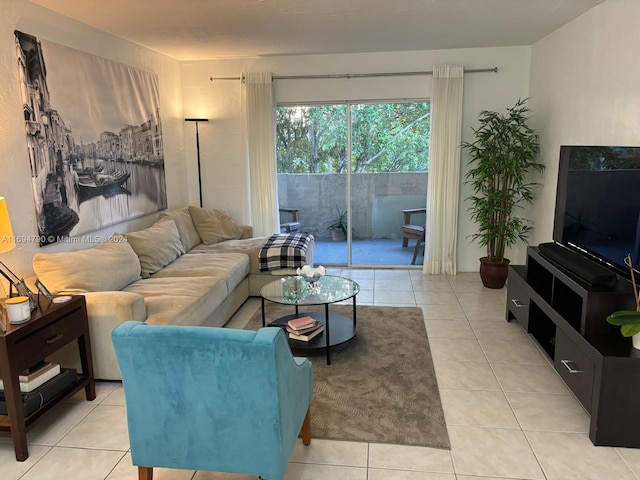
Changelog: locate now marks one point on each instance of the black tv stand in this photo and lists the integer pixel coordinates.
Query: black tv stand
(566, 315)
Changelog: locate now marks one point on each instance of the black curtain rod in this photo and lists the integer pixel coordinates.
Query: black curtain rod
(357, 75)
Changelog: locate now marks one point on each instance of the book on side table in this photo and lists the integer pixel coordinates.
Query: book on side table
(32, 379)
(35, 399)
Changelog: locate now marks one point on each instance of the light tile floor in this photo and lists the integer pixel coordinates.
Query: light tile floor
(508, 414)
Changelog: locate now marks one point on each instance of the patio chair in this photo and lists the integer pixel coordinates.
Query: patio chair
(419, 242)
(409, 230)
(412, 231)
(204, 398)
(292, 226)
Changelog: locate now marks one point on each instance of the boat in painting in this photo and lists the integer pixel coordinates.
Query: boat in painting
(99, 182)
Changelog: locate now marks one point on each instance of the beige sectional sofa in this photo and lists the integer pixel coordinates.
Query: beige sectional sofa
(193, 266)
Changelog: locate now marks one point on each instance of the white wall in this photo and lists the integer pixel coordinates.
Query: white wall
(15, 184)
(585, 89)
(223, 163)
(224, 170)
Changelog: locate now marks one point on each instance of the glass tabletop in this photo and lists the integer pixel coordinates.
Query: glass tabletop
(296, 290)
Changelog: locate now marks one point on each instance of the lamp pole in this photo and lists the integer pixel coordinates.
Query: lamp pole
(196, 120)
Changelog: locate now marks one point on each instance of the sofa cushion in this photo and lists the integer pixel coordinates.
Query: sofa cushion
(170, 301)
(214, 224)
(250, 247)
(110, 266)
(231, 267)
(156, 246)
(188, 234)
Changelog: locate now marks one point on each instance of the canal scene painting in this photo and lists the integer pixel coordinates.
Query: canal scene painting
(93, 136)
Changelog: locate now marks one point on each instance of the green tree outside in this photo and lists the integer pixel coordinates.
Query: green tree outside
(387, 137)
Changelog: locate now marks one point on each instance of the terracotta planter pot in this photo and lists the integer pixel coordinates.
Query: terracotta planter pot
(494, 274)
(337, 235)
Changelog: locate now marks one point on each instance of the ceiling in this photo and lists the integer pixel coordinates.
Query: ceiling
(208, 29)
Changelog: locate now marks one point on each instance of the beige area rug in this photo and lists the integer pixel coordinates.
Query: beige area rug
(381, 386)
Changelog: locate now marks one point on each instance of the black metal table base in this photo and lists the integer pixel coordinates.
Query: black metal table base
(337, 329)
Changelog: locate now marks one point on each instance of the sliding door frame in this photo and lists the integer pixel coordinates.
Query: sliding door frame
(348, 104)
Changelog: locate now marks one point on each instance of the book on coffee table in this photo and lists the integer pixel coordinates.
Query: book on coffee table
(301, 323)
(305, 330)
(307, 336)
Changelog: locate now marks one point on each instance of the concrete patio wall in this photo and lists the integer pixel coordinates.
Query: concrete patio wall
(378, 201)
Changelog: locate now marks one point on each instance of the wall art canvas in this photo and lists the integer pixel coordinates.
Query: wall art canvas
(94, 139)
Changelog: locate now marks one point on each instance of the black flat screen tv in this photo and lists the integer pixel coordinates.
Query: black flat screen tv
(598, 204)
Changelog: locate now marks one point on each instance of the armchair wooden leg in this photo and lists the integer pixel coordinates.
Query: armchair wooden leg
(306, 428)
(145, 473)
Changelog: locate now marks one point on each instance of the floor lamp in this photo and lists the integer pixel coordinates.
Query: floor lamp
(198, 150)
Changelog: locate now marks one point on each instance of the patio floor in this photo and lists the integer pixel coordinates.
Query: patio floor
(387, 252)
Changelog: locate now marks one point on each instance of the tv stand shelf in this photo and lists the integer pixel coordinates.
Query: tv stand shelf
(568, 319)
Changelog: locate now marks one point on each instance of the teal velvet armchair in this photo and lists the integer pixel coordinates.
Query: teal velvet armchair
(205, 398)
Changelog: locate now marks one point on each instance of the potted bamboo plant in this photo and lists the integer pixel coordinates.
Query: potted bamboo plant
(501, 157)
(338, 225)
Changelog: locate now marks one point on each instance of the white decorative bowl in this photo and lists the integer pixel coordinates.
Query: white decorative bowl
(310, 274)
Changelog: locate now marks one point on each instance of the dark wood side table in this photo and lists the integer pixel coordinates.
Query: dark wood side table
(51, 326)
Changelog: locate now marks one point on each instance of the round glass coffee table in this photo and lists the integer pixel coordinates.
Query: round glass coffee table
(298, 292)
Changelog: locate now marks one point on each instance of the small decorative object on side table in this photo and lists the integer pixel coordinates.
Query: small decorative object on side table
(26, 344)
(3, 318)
(18, 309)
(44, 291)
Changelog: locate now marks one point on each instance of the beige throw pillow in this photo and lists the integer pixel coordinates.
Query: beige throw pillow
(187, 230)
(156, 246)
(107, 267)
(214, 224)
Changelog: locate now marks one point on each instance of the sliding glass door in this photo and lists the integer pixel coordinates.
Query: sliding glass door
(354, 168)
(311, 143)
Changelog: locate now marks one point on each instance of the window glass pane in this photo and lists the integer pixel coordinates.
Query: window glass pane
(390, 137)
(311, 145)
(390, 151)
(311, 139)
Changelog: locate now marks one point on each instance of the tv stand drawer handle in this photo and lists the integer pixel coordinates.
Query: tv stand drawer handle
(518, 303)
(54, 339)
(571, 366)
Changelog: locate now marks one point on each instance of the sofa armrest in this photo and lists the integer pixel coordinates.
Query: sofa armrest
(105, 311)
(247, 231)
(116, 305)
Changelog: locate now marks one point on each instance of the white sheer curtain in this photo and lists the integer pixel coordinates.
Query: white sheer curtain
(444, 170)
(259, 122)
